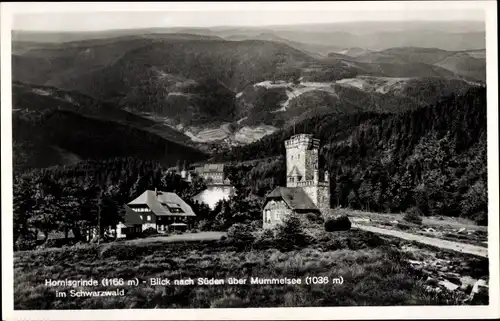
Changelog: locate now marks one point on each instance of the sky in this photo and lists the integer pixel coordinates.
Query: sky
(231, 15)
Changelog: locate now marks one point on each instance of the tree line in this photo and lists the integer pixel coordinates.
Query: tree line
(79, 198)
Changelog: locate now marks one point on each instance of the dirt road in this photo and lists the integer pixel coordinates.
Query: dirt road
(443, 244)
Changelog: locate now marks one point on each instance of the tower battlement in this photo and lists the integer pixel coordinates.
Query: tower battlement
(311, 183)
(302, 140)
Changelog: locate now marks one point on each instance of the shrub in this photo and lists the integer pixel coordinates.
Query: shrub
(481, 219)
(149, 231)
(255, 225)
(265, 239)
(341, 223)
(25, 242)
(240, 232)
(315, 218)
(204, 225)
(290, 234)
(414, 215)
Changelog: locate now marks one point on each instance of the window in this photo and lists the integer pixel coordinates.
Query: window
(173, 207)
(141, 217)
(149, 217)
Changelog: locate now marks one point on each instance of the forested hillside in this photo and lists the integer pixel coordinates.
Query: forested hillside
(432, 157)
(52, 127)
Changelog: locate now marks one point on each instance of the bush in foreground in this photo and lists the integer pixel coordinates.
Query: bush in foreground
(265, 239)
(25, 242)
(290, 234)
(413, 215)
(240, 233)
(149, 232)
(341, 223)
(204, 225)
(481, 218)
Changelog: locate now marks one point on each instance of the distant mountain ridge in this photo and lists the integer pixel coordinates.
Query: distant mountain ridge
(466, 63)
(374, 35)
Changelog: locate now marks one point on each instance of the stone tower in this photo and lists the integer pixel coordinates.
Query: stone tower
(302, 170)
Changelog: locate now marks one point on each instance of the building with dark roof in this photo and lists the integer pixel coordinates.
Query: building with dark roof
(213, 174)
(218, 186)
(158, 210)
(131, 225)
(305, 192)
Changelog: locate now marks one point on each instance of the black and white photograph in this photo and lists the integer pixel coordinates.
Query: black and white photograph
(229, 157)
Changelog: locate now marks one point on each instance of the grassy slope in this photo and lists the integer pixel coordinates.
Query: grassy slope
(372, 275)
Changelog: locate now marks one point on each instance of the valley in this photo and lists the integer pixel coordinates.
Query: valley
(248, 80)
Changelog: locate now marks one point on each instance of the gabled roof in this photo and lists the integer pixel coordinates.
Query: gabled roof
(294, 197)
(131, 217)
(159, 203)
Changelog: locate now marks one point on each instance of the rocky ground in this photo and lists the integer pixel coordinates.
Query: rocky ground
(465, 275)
(445, 232)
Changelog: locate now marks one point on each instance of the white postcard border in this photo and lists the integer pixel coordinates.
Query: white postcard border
(7, 11)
